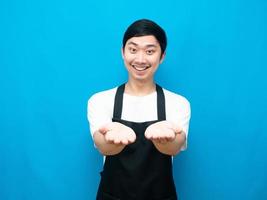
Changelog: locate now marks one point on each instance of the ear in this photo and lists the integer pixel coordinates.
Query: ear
(122, 53)
(162, 57)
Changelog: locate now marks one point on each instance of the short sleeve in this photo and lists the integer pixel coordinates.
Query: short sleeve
(184, 123)
(178, 111)
(100, 109)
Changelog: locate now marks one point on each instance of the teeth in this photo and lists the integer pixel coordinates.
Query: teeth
(140, 68)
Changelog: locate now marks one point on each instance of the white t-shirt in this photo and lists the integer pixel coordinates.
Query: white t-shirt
(138, 109)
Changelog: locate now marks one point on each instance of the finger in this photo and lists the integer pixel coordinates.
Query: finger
(155, 137)
(163, 140)
(131, 139)
(148, 135)
(125, 141)
(117, 141)
(155, 140)
(109, 138)
(171, 135)
(170, 139)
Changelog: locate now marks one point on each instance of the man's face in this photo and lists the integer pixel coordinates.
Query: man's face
(142, 56)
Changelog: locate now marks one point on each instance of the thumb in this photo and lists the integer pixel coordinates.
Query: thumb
(178, 129)
(103, 129)
(107, 127)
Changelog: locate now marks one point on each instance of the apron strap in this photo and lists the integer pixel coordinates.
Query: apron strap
(117, 110)
(160, 103)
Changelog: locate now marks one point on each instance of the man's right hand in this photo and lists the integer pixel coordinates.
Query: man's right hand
(117, 133)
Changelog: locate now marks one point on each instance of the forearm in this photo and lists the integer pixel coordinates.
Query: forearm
(105, 147)
(172, 147)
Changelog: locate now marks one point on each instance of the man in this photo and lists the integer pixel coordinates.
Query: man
(139, 126)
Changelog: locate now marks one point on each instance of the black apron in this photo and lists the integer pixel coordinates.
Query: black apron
(139, 171)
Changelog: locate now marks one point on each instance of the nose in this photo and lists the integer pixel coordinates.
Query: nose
(140, 58)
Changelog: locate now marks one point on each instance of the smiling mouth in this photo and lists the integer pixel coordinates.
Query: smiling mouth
(141, 68)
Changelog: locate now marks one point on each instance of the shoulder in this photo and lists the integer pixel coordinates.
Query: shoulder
(177, 106)
(102, 100)
(175, 99)
(102, 96)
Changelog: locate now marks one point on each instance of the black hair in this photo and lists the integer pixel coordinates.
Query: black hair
(145, 27)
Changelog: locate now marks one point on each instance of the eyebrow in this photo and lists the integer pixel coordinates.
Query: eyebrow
(149, 45)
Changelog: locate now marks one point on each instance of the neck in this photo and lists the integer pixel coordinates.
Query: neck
(139, 88)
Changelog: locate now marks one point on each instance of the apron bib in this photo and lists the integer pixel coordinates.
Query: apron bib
(139, 171)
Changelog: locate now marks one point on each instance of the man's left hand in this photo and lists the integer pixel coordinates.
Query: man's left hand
(162, 132)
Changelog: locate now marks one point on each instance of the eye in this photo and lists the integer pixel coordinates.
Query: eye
(132, 50)
(150, 51)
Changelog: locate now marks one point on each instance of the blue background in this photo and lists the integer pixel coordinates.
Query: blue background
(55, 54)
